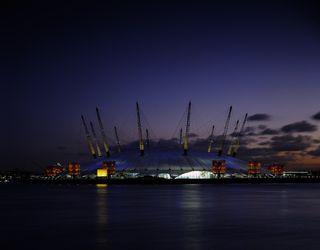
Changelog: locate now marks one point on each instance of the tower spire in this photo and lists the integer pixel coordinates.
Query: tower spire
(104, 137)
(117, 138)
(95, 139)
(89, 141)
(225, 131)
(233, 139)
(141, 144)
(237, 142)
(211, 140)
(186, 136)
(147, 138)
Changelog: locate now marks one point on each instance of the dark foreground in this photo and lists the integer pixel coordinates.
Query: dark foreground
(246, 216)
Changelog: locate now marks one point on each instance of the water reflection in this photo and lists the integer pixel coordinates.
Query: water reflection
(284, 202)
(102, 215)
(161, 217)
(191, 219)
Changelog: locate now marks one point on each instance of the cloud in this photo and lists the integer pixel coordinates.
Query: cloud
(290, 143)
(249, 131)
(269, 131)
(316, 116)
(266, 155)
(259, 117)
(262, 127)
(264, 143)
(302, 126)
(315, 152)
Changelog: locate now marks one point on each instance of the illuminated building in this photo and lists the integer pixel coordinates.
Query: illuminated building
(276, 169)
(254, 168)
(219, 167)
(74, 168)
(108, 169)
(54, 171)
(169, 161)
(165, 163)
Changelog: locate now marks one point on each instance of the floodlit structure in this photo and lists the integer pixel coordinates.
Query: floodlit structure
(219, 167)
(108, 168)
(74, 168)
(165, 162)
(54, 171)
(254, 168)
(276, 169)
(102, 173)
(196, 175)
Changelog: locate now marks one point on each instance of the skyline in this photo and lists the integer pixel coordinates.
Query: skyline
(262, 58)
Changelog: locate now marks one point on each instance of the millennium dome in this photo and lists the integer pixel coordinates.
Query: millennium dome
(165, 163)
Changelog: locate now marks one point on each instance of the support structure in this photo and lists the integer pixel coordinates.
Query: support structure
(211, 140)
(95, 139)
(225, 131)
(186, 136)
(104, 137)
(237, 142)
(117, 139)
(147, 138)
(233, 139)
(141, 143)
(89, 141)
(180, 137)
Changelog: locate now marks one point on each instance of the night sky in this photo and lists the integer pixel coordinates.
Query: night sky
(64, 58)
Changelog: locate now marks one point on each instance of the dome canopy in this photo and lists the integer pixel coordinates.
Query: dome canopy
(166, 161)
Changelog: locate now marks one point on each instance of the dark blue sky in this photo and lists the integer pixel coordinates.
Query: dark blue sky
(64, 59)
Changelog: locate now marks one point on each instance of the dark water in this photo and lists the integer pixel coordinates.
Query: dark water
(268, 216)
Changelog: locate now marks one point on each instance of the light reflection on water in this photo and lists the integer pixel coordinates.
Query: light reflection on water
(264, 216)
(102, 215)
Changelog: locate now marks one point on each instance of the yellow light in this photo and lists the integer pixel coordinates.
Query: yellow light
(101, 185)
(102, 172)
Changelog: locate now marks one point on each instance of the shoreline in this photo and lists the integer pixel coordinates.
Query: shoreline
(152, 181)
